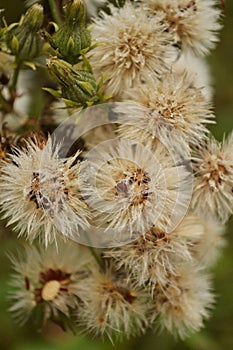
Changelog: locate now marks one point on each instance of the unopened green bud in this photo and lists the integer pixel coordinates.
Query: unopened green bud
(34, 17)
(76, 85)
(76, 12)
(22, 38)
(72, 37)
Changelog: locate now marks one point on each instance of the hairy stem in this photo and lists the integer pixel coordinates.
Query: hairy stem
(54, 12)
(12, 87)
(96, 256)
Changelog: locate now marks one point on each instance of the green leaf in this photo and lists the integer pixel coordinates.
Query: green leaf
(86, 86)
(30, 64)
(86, 64)
(54, 93)
(71, 104)
(70, 44)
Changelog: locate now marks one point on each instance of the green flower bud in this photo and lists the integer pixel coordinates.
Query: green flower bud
(33, 18)
(22, 38)
(76, 85)
(72, 37)
(76, 12)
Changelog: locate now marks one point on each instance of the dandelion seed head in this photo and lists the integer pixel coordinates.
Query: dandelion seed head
(113, 307)
(194, 23)
(154, 256)
(49, 280)
(138, 47)
(173, 110)
(182, 305)
(131, 189)
(213, 168)
(40, 193)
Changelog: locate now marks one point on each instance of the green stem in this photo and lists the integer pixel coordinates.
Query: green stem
(54, 12)
(96, 256)
(12, 87)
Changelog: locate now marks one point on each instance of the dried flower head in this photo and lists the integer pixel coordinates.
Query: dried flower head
(113, 306)
(213, 185)
(156, 255)
(40, 193)
(138, 47)
(132, 189)
(174, 110)
(194, 23)
(183, 303)
(48, 280)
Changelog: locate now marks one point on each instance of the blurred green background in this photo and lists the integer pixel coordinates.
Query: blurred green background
(218, 333)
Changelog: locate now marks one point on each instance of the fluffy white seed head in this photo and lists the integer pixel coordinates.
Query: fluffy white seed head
(194, 23)
(156, 255)
(131, 189)
(182, 305)
(173, 110)
(113, 306)
(51, 280)
(213, 185)
(138, 47)
(40, 193)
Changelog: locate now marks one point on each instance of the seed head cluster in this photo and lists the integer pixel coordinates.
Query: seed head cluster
(150, 186)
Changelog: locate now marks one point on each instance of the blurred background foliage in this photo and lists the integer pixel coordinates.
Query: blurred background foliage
(218, 331)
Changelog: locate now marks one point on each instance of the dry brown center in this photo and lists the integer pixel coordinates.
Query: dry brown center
(118, 292)
(133, 186)
(46, 192)
(150, 240)
(214, 172)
